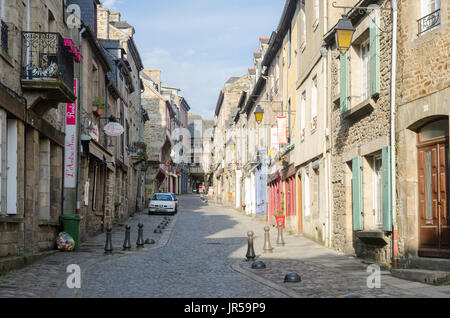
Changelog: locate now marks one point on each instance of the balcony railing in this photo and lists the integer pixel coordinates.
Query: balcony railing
(44, 57)
(4, 35)
(429, 21)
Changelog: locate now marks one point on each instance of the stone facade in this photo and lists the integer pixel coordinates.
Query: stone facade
(423, 96)
(31, 138)
(364, 134)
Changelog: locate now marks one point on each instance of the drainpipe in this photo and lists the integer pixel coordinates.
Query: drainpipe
(393, 114)
(105, 144)
(141, 128)
(80, 100)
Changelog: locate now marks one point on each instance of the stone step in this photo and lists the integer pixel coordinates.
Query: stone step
(435, 264)
(422, 276)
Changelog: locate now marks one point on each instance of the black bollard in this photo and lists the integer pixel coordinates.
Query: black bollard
(267, 246)
(108, 244)
(140, 240)
(280, 240)
(250, 251)
(127, 242)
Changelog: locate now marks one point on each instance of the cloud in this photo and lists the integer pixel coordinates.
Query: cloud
(110, 4)
(191, 52)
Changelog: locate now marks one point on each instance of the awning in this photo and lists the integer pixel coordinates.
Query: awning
(100, 153)
(289, 171)
(273, 177)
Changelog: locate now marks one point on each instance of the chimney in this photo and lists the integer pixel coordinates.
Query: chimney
(114, 17)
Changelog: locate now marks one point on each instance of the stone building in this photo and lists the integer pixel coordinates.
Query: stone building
(157, 133)
(201, 133)
(36, 80)
(360, 136)
(111, 27)
(422, 130)
(225, 109)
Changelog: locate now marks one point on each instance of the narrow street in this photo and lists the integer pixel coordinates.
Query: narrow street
(201, 254)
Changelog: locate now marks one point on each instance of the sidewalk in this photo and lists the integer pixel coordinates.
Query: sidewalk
(47, 278)
(324, 272)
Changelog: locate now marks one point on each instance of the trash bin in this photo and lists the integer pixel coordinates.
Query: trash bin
(71, 224)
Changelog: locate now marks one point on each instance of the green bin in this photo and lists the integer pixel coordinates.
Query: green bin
(71, 224)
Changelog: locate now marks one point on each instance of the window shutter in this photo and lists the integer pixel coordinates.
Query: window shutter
(11, 168)
(344, 82)
(2, 122)
(387, 189)
(357, 193)
(375, 56)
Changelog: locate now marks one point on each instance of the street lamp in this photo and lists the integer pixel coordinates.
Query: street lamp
(344, 33)
(259, 113)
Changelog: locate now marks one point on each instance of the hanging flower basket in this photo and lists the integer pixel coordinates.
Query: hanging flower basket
(280, 218)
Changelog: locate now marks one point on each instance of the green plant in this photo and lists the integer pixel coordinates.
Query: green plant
(279, 214)
(98, 103)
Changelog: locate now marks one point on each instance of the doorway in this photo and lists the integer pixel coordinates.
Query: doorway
(434, 214)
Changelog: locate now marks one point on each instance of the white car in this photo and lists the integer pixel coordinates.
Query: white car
(163, 203)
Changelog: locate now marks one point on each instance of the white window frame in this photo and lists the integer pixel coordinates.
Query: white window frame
(11, 166)
(307, 198)
(314, 103)
(303, 30)
(377, 178)
(364, 52)
(426, 9)
(303, 115)
(316, 14)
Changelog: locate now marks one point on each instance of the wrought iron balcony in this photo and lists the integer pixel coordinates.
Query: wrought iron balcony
(4, 35)
(47, 66)
(429, 21)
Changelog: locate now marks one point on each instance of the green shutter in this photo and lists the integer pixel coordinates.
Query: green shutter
(344, 82)
(374, 57)
(357, 200)
(387, 189)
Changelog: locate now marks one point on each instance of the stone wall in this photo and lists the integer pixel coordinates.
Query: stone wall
(361, 136)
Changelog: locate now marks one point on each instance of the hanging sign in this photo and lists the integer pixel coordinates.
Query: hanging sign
(114, 129)
(282, 130)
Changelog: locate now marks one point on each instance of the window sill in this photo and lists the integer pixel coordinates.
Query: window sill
(362, 109)
(48, 223)
(11, 219)
(373, 237)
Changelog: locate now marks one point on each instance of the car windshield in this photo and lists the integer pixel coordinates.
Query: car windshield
(162, 197)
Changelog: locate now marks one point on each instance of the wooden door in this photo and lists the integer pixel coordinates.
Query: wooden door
(434, 238)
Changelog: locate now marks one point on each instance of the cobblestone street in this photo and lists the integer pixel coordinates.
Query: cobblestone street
(201, 254)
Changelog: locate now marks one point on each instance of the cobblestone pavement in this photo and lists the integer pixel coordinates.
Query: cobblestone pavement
(47, 278)
(201, 255)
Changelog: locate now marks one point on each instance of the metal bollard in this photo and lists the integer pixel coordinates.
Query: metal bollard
(250, 251)
(267, 246)
(280, 240)
(140, 240)
(108, 244)
(127, 242)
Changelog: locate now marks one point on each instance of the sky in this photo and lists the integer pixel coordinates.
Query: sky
(199, 44)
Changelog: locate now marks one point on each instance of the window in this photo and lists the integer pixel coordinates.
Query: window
(306, 198)
(378, 190)
(303, 115)
(364, 59)
(314, 103)
(316, 14)
(431, 15)
(11, 166)
(303, 24)
(290, 46)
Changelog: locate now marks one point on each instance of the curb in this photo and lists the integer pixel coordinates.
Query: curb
(284, 290)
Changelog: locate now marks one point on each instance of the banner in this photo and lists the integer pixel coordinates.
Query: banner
(282, 130)
(70, 150)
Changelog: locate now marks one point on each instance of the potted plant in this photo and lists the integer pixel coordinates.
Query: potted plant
(279, 216)
(97, 106)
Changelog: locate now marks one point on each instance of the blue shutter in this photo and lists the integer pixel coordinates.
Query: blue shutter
(374, 56)
(387, 189)
(344, 82)
(357, 200)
